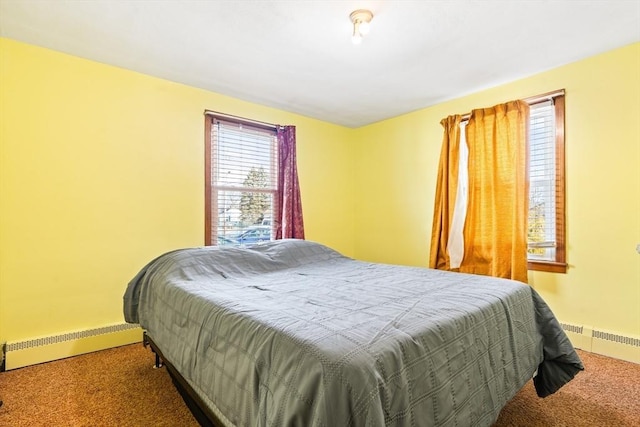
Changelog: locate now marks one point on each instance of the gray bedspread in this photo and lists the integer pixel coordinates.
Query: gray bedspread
(292, 333)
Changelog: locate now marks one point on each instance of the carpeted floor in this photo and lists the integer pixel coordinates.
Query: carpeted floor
(119, 387)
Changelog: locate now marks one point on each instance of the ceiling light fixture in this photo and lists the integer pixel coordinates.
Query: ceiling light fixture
(361, 19)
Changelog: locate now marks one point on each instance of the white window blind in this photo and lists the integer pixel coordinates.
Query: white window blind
(542, 182)
(243, 182)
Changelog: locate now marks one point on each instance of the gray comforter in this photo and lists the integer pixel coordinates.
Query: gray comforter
(293, 333)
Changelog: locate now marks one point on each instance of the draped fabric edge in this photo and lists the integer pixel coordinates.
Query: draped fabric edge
(288, 218)
(447, 168)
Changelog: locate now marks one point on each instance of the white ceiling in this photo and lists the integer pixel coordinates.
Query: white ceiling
(298, 56)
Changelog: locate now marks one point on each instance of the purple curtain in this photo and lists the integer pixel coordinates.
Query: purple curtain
(288, 220)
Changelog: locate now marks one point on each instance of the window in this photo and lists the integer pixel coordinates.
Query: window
(241, 180)
(546, 224)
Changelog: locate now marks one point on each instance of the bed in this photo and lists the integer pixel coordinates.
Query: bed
(293, 333)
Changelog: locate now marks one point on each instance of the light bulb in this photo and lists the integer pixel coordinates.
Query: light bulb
(360, 19)
(363, 28)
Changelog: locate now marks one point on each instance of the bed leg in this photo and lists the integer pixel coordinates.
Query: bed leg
(158, 363)
(146, 342)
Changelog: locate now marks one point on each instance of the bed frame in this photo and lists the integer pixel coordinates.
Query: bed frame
(200, 411)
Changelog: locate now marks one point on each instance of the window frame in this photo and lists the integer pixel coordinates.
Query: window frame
(210, 238)
(559, 265)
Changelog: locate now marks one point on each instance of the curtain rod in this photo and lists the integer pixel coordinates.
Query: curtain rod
(532, 100)
(240, 119)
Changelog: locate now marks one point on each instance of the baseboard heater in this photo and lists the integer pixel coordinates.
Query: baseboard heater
(45, 349)
(608, 343)
(39, 350)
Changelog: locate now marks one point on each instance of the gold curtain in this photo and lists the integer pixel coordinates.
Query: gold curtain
(495, 229)
(445, 192)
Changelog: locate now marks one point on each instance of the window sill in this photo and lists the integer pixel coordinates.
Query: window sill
(548, 266)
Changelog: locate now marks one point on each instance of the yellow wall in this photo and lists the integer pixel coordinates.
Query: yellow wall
(102, 169)
(397, 163)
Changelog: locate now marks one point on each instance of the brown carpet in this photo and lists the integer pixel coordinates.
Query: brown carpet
(120, 387)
